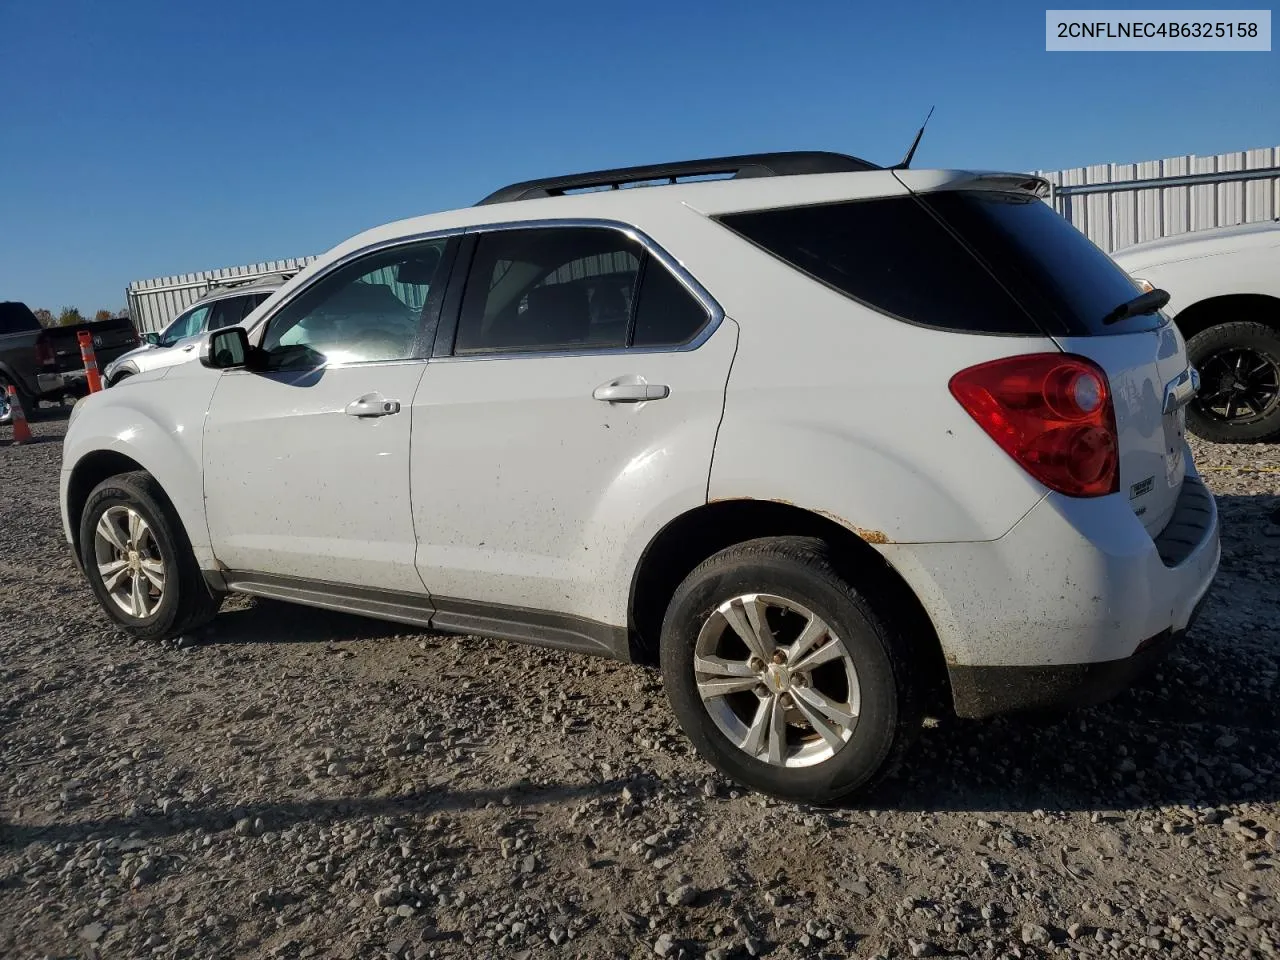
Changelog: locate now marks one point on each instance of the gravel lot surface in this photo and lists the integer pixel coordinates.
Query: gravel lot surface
(295, 783)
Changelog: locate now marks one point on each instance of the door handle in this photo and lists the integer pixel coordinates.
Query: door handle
(372, 405)
(630, 390)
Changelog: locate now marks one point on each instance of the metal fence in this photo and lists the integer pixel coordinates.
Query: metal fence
(1119, 204)
(1114, 204)
(154, 303)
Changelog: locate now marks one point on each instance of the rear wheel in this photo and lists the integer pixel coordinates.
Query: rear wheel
(782, 674)
(139, 561)
(1239, 398)
(29, 404)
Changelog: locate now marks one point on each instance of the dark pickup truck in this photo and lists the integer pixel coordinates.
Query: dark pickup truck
(45, 364)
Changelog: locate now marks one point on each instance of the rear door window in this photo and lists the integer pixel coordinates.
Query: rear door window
(555, 289)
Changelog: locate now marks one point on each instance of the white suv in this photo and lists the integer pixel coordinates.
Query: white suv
(811, 436)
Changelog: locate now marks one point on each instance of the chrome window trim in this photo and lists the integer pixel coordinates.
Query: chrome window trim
(715, 312)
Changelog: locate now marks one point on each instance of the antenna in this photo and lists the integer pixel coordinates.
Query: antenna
(906, 161)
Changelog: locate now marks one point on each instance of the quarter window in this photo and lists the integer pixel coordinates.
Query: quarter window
(370, 310)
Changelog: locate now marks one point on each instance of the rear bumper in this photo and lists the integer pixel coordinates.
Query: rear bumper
(56, 384)
(1067, 604)
(988, 691)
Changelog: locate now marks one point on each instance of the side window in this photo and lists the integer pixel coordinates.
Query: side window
(667, 314)
(188, 324)
(550, 289)
(227, 313)
(369, 310)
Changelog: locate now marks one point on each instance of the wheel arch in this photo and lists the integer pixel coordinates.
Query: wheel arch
(705, 530)
(89, 471)
(1211, 311)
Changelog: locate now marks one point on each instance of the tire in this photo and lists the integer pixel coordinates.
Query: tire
(798, 571)
(119, 378)
(1214, 353)
(29, 405)
(185, 601)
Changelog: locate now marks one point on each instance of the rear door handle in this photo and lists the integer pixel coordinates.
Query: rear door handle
(630, 390)
(372, 405)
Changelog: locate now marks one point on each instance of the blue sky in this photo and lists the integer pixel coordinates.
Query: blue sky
(144, 138)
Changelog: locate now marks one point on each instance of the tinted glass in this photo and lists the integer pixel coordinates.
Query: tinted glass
(370, 310)
(667, 314)
(17, 317)
(227, 313)
(890, 254)
(188, 324)
(569, 288)
(1055, 270)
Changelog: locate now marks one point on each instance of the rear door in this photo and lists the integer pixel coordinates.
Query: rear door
(578, 396)
(1071, 288)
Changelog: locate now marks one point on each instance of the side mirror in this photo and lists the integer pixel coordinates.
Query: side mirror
(151, 338)
(225, 349)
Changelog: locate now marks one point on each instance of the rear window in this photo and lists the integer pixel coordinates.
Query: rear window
(17, 317)
(1051, 267)
(969, 261)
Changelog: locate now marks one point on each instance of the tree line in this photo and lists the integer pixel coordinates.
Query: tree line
(68, 317)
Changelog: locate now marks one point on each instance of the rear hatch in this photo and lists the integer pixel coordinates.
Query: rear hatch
(1071, 290)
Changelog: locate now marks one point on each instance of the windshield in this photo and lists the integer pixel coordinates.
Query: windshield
(187, 325)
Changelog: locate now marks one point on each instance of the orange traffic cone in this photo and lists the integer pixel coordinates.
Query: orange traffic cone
(21, 431)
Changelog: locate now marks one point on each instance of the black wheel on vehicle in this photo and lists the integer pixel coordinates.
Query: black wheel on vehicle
(783, 675)
(29, 404)
(1239, 398)
(119, 377)
(139, 561)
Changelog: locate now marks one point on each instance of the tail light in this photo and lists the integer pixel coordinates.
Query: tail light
(1052, 413)
(44, 353)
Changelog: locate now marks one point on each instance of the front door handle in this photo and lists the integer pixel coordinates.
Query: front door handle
(630, 390)
(372, 405)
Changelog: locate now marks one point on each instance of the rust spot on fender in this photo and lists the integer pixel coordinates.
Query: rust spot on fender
(870, 536)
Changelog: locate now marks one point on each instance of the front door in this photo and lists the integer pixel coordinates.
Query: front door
(306, 461)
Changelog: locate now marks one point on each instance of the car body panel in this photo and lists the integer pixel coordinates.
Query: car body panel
(281, 454)
(1141, 367)
(1203, 264)
(528, 491)
(161, 428)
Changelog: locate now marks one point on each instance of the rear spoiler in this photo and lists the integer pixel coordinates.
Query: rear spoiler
(926, 181)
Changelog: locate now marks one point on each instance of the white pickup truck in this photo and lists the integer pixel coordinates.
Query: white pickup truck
(1224, 287)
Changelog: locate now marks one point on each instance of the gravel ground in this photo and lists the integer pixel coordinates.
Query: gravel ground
(296, 783)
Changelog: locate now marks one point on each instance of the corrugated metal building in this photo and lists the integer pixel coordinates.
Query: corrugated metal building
(154, 303)
(1119, 204)
(1114, 204)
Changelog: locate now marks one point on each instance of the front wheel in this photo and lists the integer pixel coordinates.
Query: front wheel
(139, 561)
(1239, 398)
(782, 674)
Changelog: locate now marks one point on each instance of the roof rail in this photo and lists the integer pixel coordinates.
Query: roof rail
(230, 283)
(747, 165)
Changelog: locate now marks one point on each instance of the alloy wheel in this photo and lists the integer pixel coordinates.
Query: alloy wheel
(776, 681)
(1240, 386)
(129, 561)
